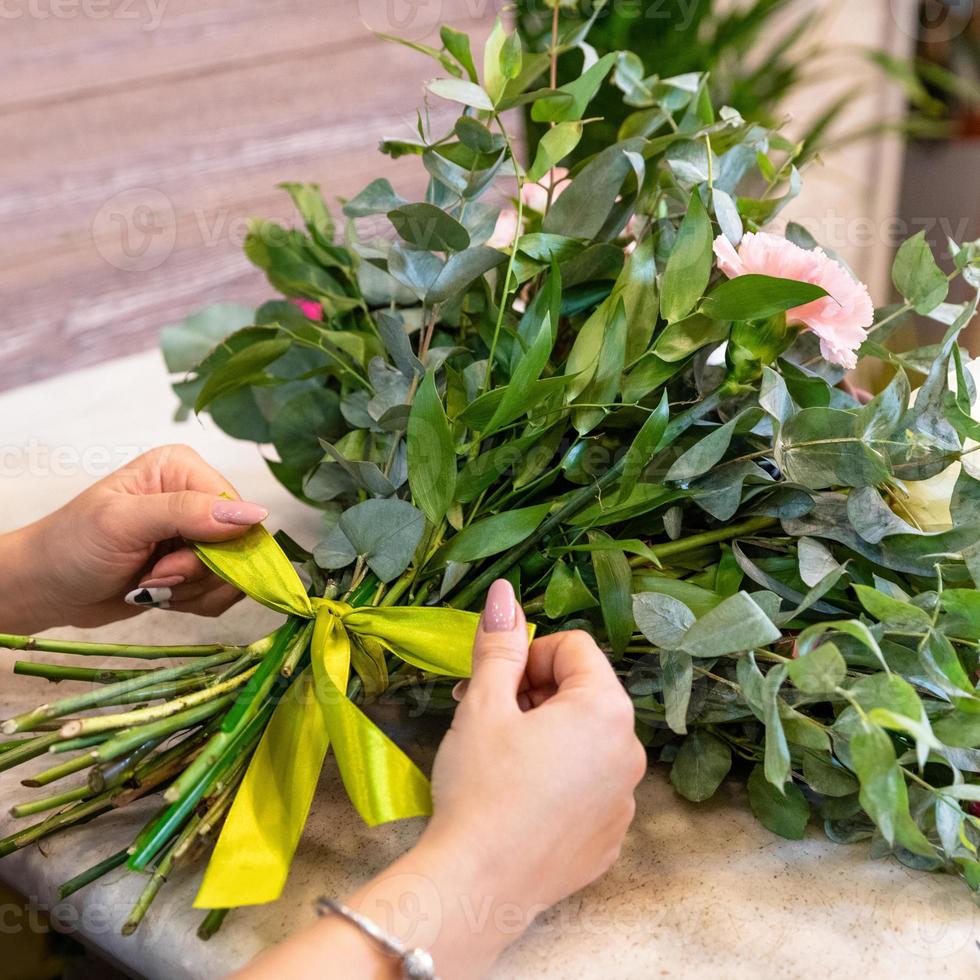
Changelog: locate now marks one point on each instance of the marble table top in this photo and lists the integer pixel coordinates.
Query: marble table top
(701, 891)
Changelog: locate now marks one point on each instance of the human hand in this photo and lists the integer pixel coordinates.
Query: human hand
(121, 546)
(536, 775)
(533, 792)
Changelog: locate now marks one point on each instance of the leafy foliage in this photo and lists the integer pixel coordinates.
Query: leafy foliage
(648, 451)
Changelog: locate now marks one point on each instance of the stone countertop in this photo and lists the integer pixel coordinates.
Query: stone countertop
(700, 891)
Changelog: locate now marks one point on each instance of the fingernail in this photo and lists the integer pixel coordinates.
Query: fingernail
(162, 582)
(459, 690)
(500, 612)
(155, 596)
(238, 512)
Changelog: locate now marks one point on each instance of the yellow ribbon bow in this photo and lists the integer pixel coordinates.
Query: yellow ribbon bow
(252, 856)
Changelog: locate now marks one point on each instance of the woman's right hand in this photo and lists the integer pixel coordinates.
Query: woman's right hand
(535, 778)
(533, 792)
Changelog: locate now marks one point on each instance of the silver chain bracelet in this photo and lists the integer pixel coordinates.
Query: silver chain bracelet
(416, 964)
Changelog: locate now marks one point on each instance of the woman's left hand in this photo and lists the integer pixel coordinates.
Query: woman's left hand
(121, 546)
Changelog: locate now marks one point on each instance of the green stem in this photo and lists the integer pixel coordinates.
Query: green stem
(143, 716)
(57, 672)
(91, 874)
(47, 645)
(161, 828)
(30, 749)
(51, 802)
(670, 548)
(212, 923)
(247, 703)
(104, 695)
(157, 880)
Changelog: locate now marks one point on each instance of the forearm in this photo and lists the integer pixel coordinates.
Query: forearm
(436, 897)
(22, 608)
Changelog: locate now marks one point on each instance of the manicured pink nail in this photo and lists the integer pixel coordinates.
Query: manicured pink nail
(459, 690)
(162, 582)
(500, 612)
(238, 512)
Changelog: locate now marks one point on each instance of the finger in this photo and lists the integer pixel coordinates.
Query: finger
(500, 649)
(167, 469)
(166, 596)
(568, 660)
(145, 519)
(212, 603)
(176, 568)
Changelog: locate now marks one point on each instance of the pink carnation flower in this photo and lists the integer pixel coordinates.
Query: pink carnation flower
(840, 320)
(309, 308)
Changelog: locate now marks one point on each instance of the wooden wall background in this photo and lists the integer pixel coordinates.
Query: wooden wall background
(134, 146)
(138, 136)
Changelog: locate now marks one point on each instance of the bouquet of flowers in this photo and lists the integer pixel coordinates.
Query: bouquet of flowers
(622, 394)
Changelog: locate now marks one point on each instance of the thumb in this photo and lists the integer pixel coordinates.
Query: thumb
(501, 646)
(145, 519)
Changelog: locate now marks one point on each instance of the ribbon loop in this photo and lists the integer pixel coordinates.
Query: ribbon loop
(251, 859)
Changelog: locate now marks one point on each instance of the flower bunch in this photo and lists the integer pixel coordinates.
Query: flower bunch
(632, 407)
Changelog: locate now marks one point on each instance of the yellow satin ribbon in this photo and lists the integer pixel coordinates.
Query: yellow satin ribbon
(252, 856)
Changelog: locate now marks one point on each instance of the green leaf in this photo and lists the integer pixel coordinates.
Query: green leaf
(917, 276)
(492, 535)
(460, 271)
(894, 613)
(456, 90)
(606, 383)
(428, 227)
(614, 578)
(431, 452)
(755, 297)
(566, 593)
(884, 794)
(378, 197)
(734, 625)
(587, 201)
(310, 204)
(186, 344)
(501, 61)
(702, 762)
(776, 759)
(582, 90)
(826, 776)
(458, 45)
(817, 448)
(784, 813)
(704, 454)
(385, 532)
(644, 446)
(297, 426)
(820, 671)
(683, 338)
(678, 673)
(514, 402)
(245, 367)
(689, 266)
(553, 147)
(663, 619)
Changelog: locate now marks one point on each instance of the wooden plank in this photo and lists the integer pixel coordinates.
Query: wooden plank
(124, 208)
(69, 49)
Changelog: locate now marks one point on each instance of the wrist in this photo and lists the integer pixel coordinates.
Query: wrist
(447, 896)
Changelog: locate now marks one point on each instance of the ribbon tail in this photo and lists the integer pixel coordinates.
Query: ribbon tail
(251, 860)
(382, 782)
